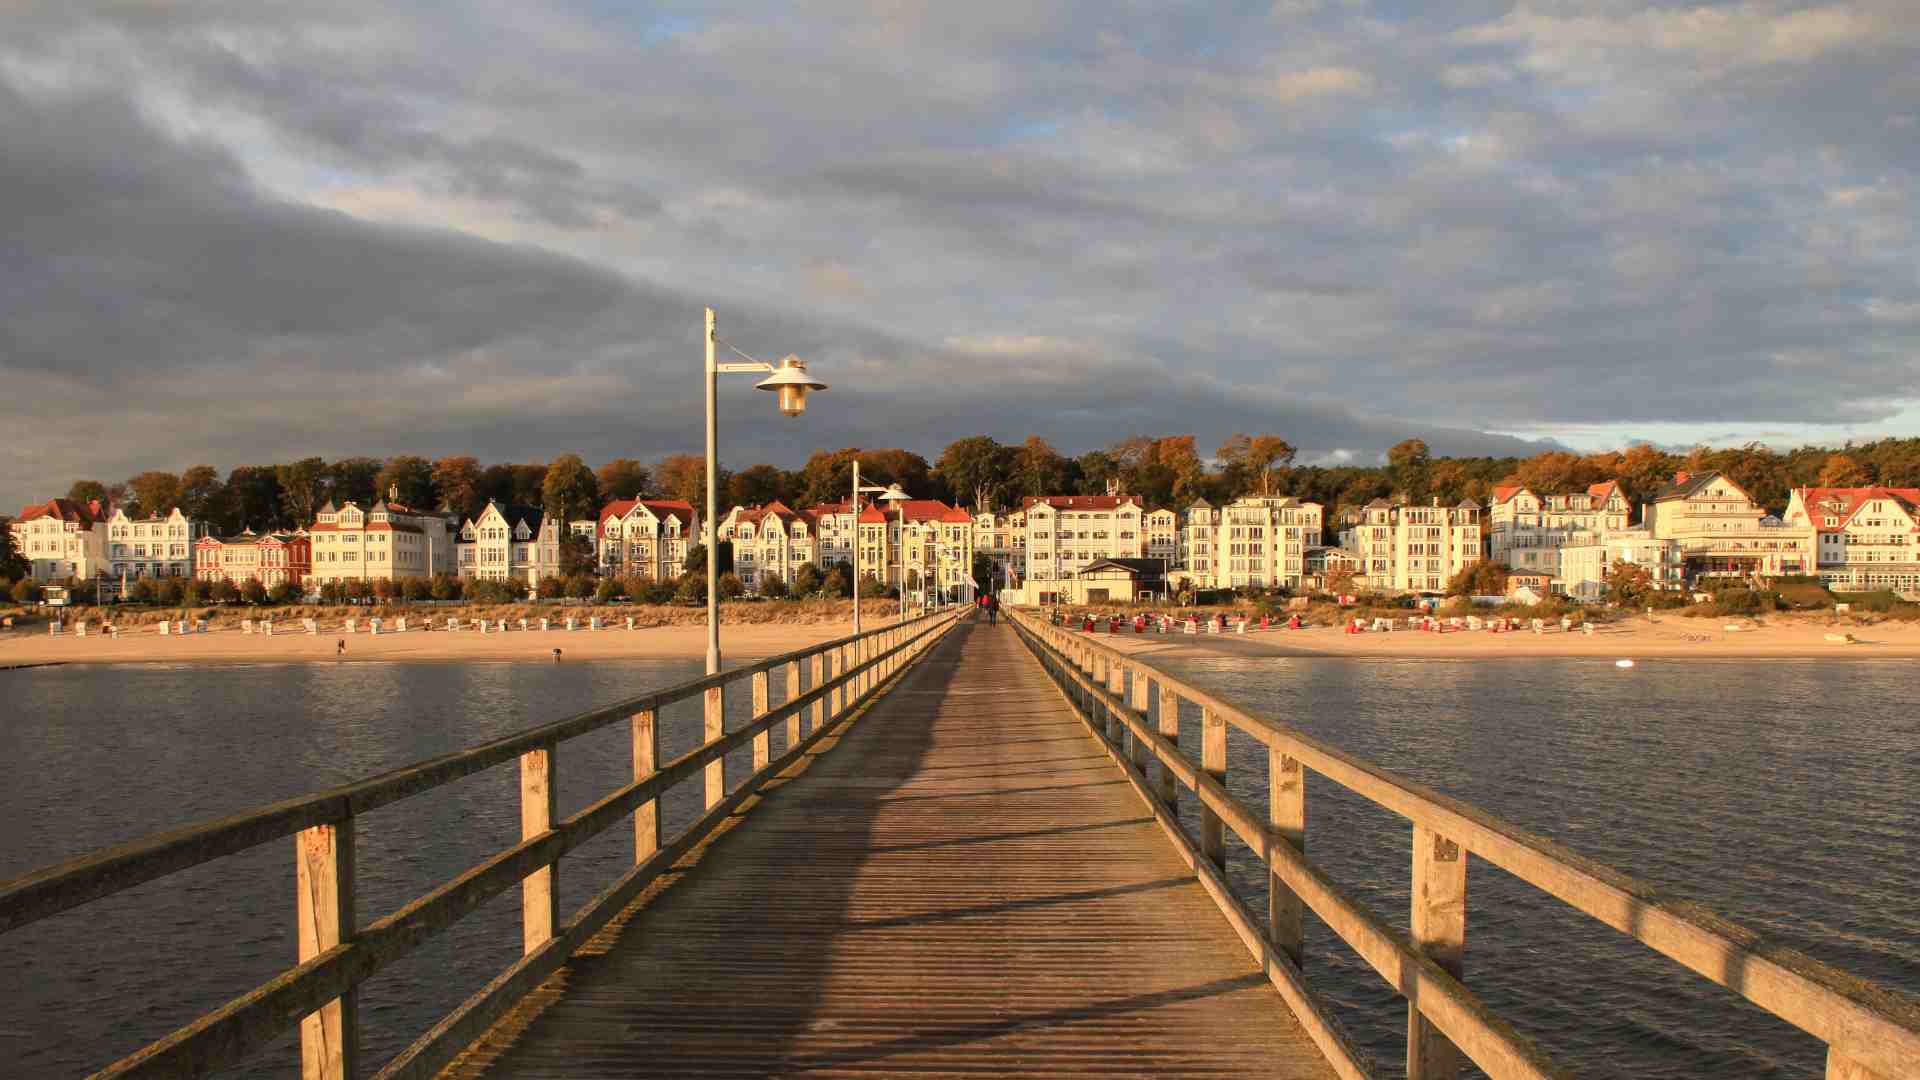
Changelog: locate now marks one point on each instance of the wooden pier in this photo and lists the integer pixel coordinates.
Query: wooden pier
(959, 851)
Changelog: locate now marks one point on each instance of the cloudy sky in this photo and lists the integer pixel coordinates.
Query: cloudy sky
(251, 231)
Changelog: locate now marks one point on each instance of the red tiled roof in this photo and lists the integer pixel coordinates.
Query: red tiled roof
(659, 508)
(1503, 492)
(929, 510)
(1853, 499)
(1603, 490)
(65, 509)
(1079, 502)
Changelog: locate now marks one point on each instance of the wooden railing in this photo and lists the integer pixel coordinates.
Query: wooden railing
(337, 954)
(1871, 1033)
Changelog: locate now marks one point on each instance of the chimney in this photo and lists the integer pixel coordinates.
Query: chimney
(1680, 477)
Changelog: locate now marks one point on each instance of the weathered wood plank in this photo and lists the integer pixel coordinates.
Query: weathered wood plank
(539, 807)
(1438, 926)
(323, 878)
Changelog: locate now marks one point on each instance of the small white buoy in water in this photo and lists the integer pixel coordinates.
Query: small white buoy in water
(1623, 663)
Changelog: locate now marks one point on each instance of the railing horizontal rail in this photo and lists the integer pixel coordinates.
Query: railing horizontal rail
(1870, 1030)
(327, 976)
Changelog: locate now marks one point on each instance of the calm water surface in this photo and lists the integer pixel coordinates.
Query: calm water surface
(1780, 793)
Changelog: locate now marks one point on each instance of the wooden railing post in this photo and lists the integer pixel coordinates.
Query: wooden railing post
(819, 673)
(1213, 762)
(716, 726)
(1170, 729)
(1439, 929)
(762, 704)
(1139, 696)
(323, 876)
(839, 689)
(646, 760)
(539, 808)
(1287, 812)
(793, 694)
(1117, 686)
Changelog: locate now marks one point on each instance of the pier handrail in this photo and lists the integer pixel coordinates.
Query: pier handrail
(1872, 1033)
(336, 954)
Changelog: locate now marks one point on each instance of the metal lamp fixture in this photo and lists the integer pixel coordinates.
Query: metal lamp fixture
(791, 381)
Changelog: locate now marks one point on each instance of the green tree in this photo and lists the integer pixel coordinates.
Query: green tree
(153, 493)
(580, 586)
(171, 591)
(415, 588)
(458, 480)
(446, 587)
(140, 591)
(285, 592)
(837, 583)
(1408, 461)
(253, 592)
(411, 478)
(1484, 578)
(692, 589)
(225, 592)
(608, 589)
(684, 477)
(731, 587)
(255, 499)
(570, 491)
(1039, 469)
(576, 553)
(756, 485)
(623, 478)
(302, 486)
(529, 485)
(195, 593)
(985, 570)
(352, 480)
(25, 591)
(976, 469)
(696, 561)
(1254, 456)
(13, 565)
(202, 495)
(807, 580)
(85, 491)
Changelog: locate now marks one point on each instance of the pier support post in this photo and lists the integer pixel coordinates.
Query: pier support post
(819, 673)
(1170, 728)
(1213, 762)
(793, 694)
(1439, 929)
(539, 807)
(646, 760)
(762, 704)
(1287, 813)
(716, 726)
(323, 875)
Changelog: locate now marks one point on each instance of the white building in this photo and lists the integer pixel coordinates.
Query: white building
(1261, 542)
(155, 546)
(642, 538)
(384, 542)
(770, 543)
(1718, 529)
(1528, 531)
(509, 543)
(1413, 548)
(1865, 538)
(62, 538)
(1067, 532)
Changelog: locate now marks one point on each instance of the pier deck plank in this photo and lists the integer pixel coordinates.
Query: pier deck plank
(962, 886)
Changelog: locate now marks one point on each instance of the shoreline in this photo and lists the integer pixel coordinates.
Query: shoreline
(21, 651)
(1664, 640)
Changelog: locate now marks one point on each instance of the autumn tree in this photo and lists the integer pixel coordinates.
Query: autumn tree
(683, 476)
(86, 491)
(1256, 456)
(353, 480)
(255, 499)
(411, 477)
(756, 485)
(458, 480)
(1628, 583)
(1038, 468)
(1484, 578)
(1643, 470)
(1842, 470)
(530, 483)
(154, 492)
(624, 478)
(569, 491)
(203, 496)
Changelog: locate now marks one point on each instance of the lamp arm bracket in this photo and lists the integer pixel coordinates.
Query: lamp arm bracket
(743, 369)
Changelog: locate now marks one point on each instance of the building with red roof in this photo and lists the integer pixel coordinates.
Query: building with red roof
(387, 541)
(62, 538)
(1864, 538)
(642, 538)
(269, 558)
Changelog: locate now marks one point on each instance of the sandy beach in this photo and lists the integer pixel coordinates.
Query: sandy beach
(232, 646)
(1668, 637)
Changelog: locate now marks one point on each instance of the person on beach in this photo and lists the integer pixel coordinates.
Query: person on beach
(340, 649)
(556, 656)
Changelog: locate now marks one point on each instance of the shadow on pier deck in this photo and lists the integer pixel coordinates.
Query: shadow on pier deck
(964, 886)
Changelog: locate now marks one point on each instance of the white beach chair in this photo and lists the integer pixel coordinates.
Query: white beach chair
(544, 625)
(246, 626)
(571, 625)
(523, 624)
(593, 623)
(351, 624)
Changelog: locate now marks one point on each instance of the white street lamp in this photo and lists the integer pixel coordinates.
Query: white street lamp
(791, 383)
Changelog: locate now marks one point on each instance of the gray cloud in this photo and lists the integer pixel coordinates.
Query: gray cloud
(240, 231)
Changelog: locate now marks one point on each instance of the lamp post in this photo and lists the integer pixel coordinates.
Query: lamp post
(790, 382)
(891, 492)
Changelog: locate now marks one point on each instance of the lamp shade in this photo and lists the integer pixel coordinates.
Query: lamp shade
(791, 382)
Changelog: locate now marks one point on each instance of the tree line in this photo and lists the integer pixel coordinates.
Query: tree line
(978, 473)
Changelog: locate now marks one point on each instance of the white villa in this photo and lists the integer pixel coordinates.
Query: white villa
(509, 543)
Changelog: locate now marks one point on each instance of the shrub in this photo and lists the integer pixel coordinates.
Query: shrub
(692, 589)
(807, 580)
(25, 591)
(731, 587)
(447, 587)
(141, 591)
(773, 588)
(195, 593)
(415, 588)
(225, 592)
(357, 589)
(608, 589)
(286, 592)
(253, 592)
(836, 585)
(386, 589)
(580, 586)
(651, 591)
(550, 588)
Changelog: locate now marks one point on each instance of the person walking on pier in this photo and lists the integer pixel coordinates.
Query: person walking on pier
(993, 608)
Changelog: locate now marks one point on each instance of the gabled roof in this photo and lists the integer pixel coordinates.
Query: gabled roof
(1154, 567)
(1380, 504)
(1505, 492)
(1603, 490)
(1466, 504)
(929, 510)
(1686, 484)
(1853, 499)
(659, 508)
(86, 513)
